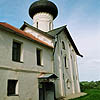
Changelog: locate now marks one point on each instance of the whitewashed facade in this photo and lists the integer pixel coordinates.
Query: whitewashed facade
(67, 71)
(27, 71)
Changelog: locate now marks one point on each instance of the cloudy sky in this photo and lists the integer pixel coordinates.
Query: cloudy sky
(82, 18)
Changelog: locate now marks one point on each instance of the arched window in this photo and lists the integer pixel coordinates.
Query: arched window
(63, 45)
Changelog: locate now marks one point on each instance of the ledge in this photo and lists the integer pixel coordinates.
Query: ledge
(23, 70)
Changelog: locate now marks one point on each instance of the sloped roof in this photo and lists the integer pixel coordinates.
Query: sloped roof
(50, 34)
(59, 30)
(26, 35)
(36, 29)
(56, 31)
(47, 76)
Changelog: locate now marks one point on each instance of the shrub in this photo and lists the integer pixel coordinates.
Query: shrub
(89, 85)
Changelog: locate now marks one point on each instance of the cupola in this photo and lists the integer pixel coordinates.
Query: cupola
(43, 12)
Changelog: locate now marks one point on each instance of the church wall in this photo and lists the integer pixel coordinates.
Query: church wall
(27, 85)
(66, 81)
(66, 71)
(57, 70)
(28, 53)
(75, 72)
(26, 71)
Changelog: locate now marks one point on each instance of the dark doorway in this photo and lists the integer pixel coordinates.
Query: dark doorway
(46, 91)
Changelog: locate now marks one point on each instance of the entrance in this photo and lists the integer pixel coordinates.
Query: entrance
(46, 91)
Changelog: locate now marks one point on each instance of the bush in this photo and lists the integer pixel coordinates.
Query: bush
(89, 85)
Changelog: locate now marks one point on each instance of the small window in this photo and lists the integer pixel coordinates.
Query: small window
(39, 57)
(16, 51)
(50, 26)
(65, 61)
(12, 88)
(37, 24)
(63, 45)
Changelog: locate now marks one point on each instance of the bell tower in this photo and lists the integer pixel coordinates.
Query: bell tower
(43, 12)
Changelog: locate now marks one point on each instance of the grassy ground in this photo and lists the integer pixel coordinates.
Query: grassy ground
(92, 94)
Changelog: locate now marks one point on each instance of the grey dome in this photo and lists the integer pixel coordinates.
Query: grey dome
(43, 6)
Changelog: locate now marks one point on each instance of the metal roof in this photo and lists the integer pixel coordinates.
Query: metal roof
(47, 76)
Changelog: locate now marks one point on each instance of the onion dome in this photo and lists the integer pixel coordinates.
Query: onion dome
(43, 6)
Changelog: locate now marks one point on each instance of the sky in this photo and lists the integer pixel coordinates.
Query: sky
(82, 18)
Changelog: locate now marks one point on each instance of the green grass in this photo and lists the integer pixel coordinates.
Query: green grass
(92, 94)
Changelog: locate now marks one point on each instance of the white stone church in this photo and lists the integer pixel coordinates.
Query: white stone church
(38, 62)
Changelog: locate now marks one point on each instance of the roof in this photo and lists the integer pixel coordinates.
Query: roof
(19, 32)
(47, 76)
(56, 31)
(36, 29)
(29, 36)
(63, 28)
(43, 6)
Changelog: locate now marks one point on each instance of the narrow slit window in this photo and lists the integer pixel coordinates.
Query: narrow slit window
(37, 24)
(63, 45)
(65, 61)
(50, 26)
(38, 52)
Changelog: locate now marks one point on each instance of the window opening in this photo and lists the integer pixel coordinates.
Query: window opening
(37, 24)
(16, 51)
(38, 56)
(63, 45)
(65, 61)
(50, 26)
(12, 88)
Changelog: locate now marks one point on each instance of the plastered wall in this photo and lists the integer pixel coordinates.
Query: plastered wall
(65, 73)
(26, 71)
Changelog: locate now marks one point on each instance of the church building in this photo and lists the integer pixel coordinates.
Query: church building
(38, 62)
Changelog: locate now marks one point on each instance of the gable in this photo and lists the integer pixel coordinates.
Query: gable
(64, 30)
(43, 36)
(39, 36)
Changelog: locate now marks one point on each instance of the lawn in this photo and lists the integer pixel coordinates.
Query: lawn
(92, 94)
